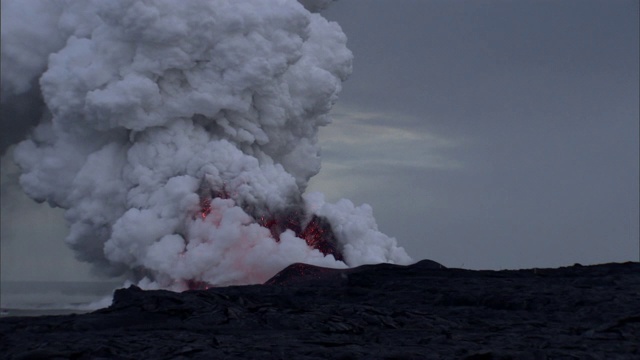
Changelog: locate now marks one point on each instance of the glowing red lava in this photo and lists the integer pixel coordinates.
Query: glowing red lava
(319, 235)
(317, 232)
(205, 207)
(197, 285)
(206, 195)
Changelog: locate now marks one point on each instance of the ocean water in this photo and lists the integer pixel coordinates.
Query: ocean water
(36, 298)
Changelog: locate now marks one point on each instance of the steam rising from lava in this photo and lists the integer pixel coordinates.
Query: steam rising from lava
(180, 137)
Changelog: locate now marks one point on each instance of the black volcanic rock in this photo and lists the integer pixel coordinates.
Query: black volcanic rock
(305, 274)
(421, 311)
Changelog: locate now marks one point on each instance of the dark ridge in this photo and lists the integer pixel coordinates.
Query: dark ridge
(419, 311)
(305, 274)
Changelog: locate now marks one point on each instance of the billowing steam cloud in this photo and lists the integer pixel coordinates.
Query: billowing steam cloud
(180, 136)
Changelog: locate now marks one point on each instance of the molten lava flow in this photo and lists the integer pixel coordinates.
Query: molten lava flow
(197, 285)
(205, 207)
(317, 233)
(206, 195)
(271, 224)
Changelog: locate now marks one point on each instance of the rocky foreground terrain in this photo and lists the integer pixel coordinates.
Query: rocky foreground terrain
(422, 311)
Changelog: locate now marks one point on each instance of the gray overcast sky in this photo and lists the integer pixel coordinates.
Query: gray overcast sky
(494, 134)
(485, 134)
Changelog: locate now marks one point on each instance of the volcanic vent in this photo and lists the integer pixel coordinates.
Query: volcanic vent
(314, 229)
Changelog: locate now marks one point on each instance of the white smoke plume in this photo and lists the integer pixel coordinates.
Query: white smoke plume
(176, 133)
